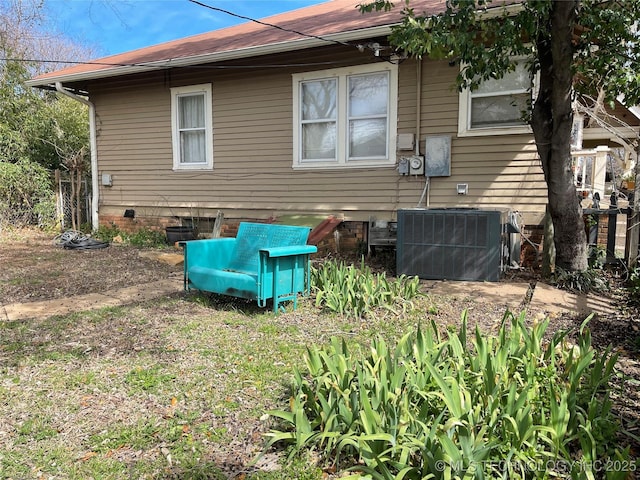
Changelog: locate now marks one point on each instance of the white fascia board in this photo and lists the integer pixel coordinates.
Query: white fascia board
(216, 56)
(498, 10)
(598, 133)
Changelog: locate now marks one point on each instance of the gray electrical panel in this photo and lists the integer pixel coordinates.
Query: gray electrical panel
(437, 155)
(450, 244)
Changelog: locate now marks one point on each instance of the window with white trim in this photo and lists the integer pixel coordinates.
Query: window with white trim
(345, 117)
(192, 127)
(497, 105)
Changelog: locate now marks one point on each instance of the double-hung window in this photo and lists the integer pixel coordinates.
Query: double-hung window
(191, 123)
(345, 117)
(497, 105)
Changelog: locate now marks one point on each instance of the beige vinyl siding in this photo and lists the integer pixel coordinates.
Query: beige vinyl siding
(252, 132)
(502, 171)
(407, 100)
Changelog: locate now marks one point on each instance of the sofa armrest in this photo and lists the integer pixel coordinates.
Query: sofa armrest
(289, 251)
(284, 273)
(210, 253)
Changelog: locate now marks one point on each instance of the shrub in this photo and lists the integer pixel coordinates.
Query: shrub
(144, 237)
(26, 195)
(107, 233)
(505, 406)
(358, 292)
(597, 257)
(580, 281)
(147, 237)
(634, 283)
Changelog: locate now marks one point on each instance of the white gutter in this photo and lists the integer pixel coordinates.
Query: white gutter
(211, 57)
(93, 144)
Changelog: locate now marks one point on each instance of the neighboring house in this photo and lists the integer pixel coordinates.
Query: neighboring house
(316, 117)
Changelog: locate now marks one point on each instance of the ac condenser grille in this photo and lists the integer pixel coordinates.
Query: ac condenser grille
(449, 244)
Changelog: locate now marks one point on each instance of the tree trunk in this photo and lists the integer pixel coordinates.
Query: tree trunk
(78, 192)
(72, 199)
(551, 122)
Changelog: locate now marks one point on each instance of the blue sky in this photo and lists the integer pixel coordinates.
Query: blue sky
(116, 26)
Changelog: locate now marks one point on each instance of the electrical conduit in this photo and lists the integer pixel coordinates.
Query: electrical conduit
(427, 191)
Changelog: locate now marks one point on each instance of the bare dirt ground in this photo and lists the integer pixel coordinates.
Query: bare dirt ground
(33, 269)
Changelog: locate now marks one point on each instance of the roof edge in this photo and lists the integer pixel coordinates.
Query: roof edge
(280, 47)
(634, 109)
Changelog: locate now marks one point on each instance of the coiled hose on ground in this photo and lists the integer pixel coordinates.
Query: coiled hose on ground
(74, 240)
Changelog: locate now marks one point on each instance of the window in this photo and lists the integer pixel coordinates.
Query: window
(345, 117)
(496, 106)
(191, 124)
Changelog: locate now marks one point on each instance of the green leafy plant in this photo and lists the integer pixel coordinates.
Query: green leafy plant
(503, 406)
(143, 237)
(634, 282)
(107, 233)
(579, 281)
(358, 292)
(147, 237)
(26, 194)
(590, 220)
(597, 256)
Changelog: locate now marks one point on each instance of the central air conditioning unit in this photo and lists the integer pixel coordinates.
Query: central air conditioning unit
(453, 244)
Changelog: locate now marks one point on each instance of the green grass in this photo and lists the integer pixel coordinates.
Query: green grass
(137, 436)
(152, 379)
(35, 429)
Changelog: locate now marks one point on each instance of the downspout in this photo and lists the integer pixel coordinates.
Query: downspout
(93, 145)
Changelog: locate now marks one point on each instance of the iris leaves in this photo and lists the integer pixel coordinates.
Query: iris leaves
(511, 406)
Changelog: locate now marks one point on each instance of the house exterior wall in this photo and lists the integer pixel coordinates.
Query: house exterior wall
(253, 176)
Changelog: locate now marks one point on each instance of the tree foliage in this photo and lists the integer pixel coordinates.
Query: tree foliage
(574, 47)
(26, 196)
(487, 36)
(37, 125)
(39, 130)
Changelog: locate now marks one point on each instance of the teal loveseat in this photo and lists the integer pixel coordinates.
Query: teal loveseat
(263, 262)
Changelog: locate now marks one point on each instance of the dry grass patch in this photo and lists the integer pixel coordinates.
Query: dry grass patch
(172, 389)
